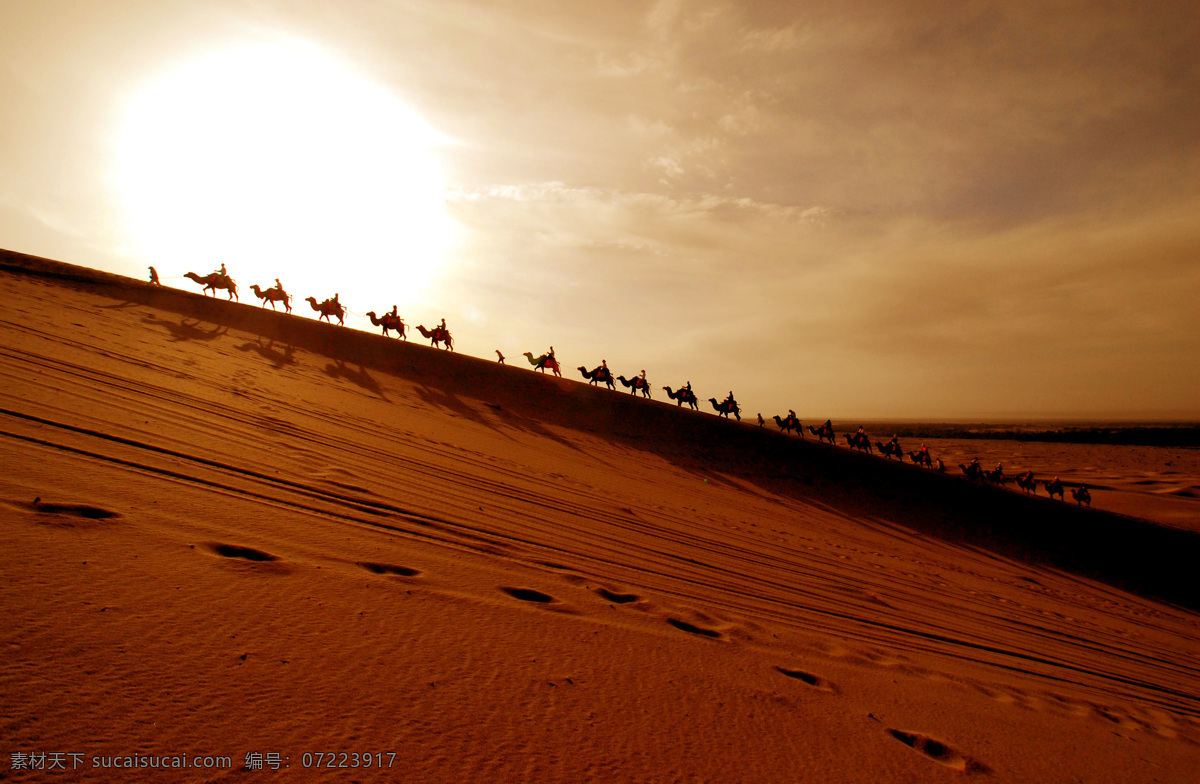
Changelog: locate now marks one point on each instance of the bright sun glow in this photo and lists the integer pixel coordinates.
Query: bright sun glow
(281, 162)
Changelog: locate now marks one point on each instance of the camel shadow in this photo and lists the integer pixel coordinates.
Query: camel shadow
(277, 358)
(185, 331)
(360, 378)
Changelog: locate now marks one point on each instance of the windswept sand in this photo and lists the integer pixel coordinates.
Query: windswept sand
(256, 533)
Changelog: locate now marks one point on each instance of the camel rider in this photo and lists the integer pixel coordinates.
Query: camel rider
(827, 427)
(792, 416)
(221, 272)
(644, 383)
(690, 394)
(730, 403)
(924, 451)
(395, 311)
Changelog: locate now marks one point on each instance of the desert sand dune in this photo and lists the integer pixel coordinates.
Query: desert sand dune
(229, 531)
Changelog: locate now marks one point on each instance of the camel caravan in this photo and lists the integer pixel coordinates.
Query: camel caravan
(439, 336)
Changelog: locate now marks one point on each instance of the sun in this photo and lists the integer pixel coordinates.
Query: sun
(282, 162)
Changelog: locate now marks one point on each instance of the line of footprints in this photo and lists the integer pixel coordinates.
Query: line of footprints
(932, 748)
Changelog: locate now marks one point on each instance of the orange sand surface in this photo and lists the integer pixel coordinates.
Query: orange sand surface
(254, 533)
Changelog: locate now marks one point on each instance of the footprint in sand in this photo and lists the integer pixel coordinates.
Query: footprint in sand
(238, 551)
(617, 598)
(529, 595)
(939, 752)
(684, 626)
(380, 568)
(83, 511)
(249, 560)
(816, 681)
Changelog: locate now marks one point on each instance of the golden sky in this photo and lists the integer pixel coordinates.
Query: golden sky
(852, 209)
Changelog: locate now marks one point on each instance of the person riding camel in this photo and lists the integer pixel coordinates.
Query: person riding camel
(729, 403)
(827, 428)
(641, 382)
(395, 311)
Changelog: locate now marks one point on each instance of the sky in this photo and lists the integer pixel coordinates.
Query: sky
(896, 209)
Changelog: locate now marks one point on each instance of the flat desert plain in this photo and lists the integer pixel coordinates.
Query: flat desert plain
(233, 536)
(1157, 483)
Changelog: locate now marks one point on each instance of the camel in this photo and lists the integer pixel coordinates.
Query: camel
(1054, 488)
(437, 335)
(389, 322)
(330, 307)
(636, 384)
(996, 477)
(1081, 496)
(823, 434)
(600, 374)
(273, 295)
(683, 396)
(788, 424)
(859, 442)
(972, 471)
(891, 449)
(725, 408)
(543, 362)
(921, 458)
(214, 281)
(1027, 483)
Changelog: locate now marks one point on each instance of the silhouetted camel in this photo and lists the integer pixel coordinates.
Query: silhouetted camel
(273, 295)
(859, 442)
(891, 449)
(921, 458)
(972, 471)
(683, 396)
(329, 307)
(599, 375)
(1054, 487)
(725, 408)
(214, 281)
(389, 322)
(823, 434)
(543, 362)
(788, 424)
(996, 477)
(437, 335)
(1027, 483)
(635, 385)
(1081, 496)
